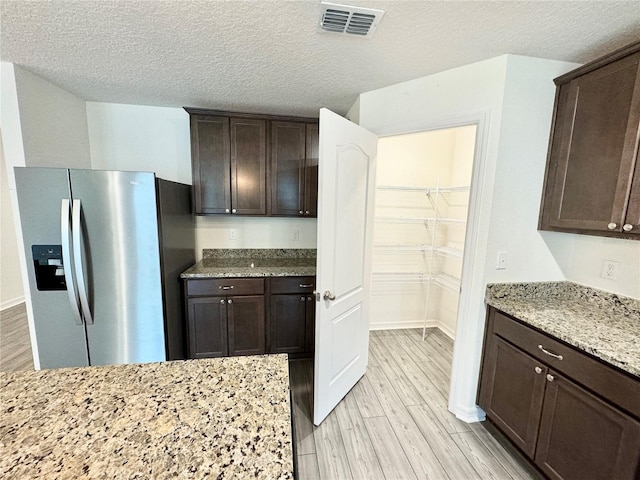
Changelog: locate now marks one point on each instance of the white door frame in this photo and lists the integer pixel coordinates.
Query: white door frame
(467, 349)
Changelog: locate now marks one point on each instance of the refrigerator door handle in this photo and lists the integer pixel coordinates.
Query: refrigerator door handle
(76, 230)
(65, 240)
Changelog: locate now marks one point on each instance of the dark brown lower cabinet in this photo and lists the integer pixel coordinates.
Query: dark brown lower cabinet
(245, 319)
(207, 327)
(288, 313)
(292, 315)
(514, 393)
(583, 437)
(569, 431)
(220, 324)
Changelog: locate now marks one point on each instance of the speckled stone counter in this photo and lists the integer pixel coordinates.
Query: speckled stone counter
(214, 418)
(228, 263)
(600, 323)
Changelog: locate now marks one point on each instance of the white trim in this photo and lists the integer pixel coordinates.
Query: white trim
(447, 331)
(470, 415)
(398, 325)
(11, 303)
(469, 331)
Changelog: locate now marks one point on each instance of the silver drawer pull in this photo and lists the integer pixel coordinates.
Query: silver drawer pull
(226, 287)
(551, 354)
(306, 285)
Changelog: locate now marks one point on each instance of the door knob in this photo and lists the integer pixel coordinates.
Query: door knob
(612, 226)
(327, 295)
(627, 227)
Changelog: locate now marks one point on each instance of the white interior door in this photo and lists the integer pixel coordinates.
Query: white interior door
(345, 228)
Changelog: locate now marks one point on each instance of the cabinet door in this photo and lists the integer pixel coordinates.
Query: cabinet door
(211, 164)
(595, 147)
(512, 391)
(287, 168)
(245, 316)
(248, 166)
(311, 171)
(310, 328)
(207, 324)
(633, 209)
(287, 323)
(583, 437)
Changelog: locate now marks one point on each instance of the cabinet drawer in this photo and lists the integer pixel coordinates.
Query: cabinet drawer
(613, 385)
(292, 284)
(225, 286)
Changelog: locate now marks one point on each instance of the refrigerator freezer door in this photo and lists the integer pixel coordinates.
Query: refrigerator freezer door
(59, 341)
(121, 262)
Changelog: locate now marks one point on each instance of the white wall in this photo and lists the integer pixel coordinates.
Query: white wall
(157, 139)
(44, 126)
(54, 123)
(511, 99)
(11, 290)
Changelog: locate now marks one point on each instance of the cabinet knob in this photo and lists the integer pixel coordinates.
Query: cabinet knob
(302, 299)
(226, 210)
(222, 301)
(627, 227)
(307, 212)
(301, 212)
(612, 226)
(309, 299)
(550, 377)
(229, 301)
(233, 210)
(538, 370)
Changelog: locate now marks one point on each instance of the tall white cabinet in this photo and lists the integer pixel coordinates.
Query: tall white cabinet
(421, 209)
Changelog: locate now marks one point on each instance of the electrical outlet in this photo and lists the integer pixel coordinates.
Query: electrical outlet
(610, 269)
(501, 261)
(295, 234)
(233, 234)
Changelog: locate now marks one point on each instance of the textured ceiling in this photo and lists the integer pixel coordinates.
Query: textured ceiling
(267, 56)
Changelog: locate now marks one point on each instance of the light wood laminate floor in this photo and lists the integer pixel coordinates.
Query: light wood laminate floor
(394, 424)
(15, 344)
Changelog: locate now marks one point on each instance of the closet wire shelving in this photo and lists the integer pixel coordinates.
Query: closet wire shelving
(443, 280)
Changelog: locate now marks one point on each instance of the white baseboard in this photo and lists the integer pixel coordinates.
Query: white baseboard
(11, 303)
(395, 325)
(447, 331)
(470, 415)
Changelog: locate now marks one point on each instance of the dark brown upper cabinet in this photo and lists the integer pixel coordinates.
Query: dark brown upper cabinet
(229, 165)
(231, 174)
(592, 185)
(248, 166)
(294, 169)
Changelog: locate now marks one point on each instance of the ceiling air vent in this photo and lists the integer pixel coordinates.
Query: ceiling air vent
(349, 20)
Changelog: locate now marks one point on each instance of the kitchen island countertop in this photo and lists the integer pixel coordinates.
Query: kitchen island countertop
(602, 324)
(214, 418)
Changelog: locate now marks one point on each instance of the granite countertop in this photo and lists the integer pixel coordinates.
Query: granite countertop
(215, 418)
(603, 324)
(227, 263)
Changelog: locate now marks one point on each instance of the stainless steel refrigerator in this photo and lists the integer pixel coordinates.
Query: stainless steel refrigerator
(104, 253)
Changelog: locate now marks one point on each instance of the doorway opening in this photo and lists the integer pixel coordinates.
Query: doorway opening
(422, 203)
